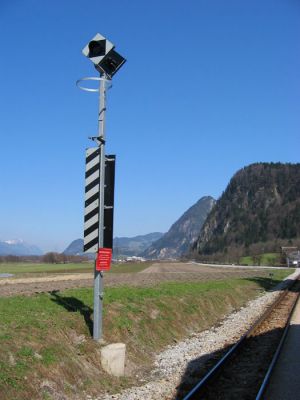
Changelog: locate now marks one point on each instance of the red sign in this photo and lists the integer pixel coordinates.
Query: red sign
(103, 259)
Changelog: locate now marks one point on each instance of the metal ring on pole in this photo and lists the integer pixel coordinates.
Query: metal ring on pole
(92, 78)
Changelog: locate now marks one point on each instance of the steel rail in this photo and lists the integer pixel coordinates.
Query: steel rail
(276, 354)
(196, 390)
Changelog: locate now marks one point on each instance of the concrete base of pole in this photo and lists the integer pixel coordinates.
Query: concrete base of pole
(113, 359)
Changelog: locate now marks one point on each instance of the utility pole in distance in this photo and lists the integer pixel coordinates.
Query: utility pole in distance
(99, 175)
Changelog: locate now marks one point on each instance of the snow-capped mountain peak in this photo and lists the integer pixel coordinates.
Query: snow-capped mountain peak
(18, 247)
(14, 241)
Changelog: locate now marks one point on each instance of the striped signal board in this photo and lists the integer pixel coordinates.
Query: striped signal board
(92, 189)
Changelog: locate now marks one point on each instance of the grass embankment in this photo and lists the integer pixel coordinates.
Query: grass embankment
(43, 268)
(45, 341)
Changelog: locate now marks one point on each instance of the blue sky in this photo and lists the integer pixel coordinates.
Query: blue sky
(209, 87)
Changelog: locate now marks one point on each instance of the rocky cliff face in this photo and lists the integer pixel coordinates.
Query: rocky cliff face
(182, 233)
(260, 204)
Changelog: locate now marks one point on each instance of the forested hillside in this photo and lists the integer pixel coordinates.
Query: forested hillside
(258, 212)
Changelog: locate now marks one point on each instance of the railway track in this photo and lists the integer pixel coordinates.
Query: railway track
(243, 370)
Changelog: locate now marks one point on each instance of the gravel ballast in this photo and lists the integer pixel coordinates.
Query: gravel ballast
(171, 364)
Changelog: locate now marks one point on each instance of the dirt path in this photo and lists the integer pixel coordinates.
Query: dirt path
(155, 274)
(48, 278)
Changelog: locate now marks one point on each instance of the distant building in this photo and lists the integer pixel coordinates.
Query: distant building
(135, 259)
(292, 255)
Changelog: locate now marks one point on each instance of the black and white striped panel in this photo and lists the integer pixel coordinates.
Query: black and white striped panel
(91, 212)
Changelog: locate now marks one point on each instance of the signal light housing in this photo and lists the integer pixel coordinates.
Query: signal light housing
(101, 52)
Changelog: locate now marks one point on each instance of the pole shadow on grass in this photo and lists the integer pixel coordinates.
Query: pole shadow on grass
(72, 304)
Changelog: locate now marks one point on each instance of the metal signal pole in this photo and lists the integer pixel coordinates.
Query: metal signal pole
(98, 277)
(98, 238)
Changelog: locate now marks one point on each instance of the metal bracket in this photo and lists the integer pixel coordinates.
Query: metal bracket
(93, 78)
(98, 139)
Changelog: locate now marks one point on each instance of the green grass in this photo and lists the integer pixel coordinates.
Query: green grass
(37, 332)
(128, 267)
(247, 260)
(41, 310)
(28, 268)
(169, 289)
(49, 355)
(268, 259)
(43, 268)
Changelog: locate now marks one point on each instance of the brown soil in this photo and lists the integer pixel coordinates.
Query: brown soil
(153, 275)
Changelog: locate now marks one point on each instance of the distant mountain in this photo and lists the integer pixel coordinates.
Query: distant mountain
(259, 210)
(75, 248)
(134, 245)
(123, 246)
(182, 233)
(17, 247)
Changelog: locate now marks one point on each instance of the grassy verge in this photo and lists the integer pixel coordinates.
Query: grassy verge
(46, 347)
(43, 268)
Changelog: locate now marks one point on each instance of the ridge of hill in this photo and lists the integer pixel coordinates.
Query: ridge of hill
(182, 233)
